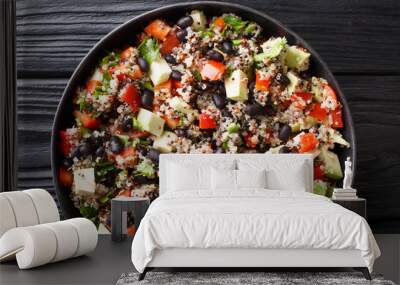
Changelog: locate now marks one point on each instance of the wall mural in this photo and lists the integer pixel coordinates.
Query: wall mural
(200, 85)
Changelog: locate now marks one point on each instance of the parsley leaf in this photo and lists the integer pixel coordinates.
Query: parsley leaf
(111, 59)
(146, 168)
(234, 22)
(149, 50)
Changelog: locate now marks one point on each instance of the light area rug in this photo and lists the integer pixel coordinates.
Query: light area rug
(243, 278)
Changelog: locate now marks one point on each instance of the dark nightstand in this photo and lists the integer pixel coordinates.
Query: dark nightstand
(358, 206)
(120, 206)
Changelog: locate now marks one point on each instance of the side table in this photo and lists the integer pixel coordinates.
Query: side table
(358, 205)
(120, 206)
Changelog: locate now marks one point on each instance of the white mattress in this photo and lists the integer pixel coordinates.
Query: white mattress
(253, 219)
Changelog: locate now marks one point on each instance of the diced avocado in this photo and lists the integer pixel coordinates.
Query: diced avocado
(178, 104)
(317, 87)
(164, 142)
(320, 187)
(271, 48)
(233, 128)
(297, 58)
(159, 71)
(150, 122)
(84, 181)
(236, 86)
(124, 139)
(294, 81)
(309, 122)
(331, 164)
(295, 127)
(199, 20)
(338, 138)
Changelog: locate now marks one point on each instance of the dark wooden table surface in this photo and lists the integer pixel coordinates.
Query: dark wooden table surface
(360, 41)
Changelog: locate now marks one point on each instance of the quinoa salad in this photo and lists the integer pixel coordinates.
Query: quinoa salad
(199, 85)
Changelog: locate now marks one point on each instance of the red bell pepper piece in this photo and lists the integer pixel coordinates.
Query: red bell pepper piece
(212, 70)
(65, 177)
(328, 92)
(249, 142)
(91, 85)
(170, 42)
(318, 113)
(138, 134)
(130, 96)
(128, 151)
(337, 120)
(158, 29)
(207, 122)
(308, 142)
(87, 120)
(262, 84)
(126, 53)
(65, 144)
(219, 23)
(318, 172)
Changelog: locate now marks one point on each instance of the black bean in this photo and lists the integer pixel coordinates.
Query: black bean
(116, 144)
(215, 55)
(284, 149)
(110, 178)
(76, 153)
(143, 179)
(181, 34)
(285, 132)
(154, 155)
(127, 124)
(181, 132)
(227, 47)
(142, 149)
(185, 22)
(143, 64)
(254, 109)
(95, 141)
(86, 149)
(219, 100)
(100, 152)
(68, 162)
(176, 75)
(282, 79)
(226, 113)
(252, 85)
(147, 98)
(170, 59)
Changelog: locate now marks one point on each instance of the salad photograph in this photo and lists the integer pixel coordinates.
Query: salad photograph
(198, 85)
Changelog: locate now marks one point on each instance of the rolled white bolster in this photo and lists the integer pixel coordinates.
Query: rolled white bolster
(23, 208)
(7, 218)
(45, 206)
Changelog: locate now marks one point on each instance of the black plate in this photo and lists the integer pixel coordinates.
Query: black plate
(126, 34)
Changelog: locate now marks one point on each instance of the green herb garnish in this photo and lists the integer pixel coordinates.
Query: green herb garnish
(146, 168)
(235, 22)
(149, 50)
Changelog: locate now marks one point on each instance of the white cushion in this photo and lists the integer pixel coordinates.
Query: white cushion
(283, 173)
(7, 218)
(45, 206)
(192, 175)
(23, 208)
(223, 179)
(251, 179)
(40, 244)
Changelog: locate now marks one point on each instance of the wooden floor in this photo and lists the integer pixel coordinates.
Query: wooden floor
(360, 41)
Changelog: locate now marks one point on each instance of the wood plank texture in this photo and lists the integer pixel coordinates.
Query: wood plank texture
(352, 36)
(377, 123)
